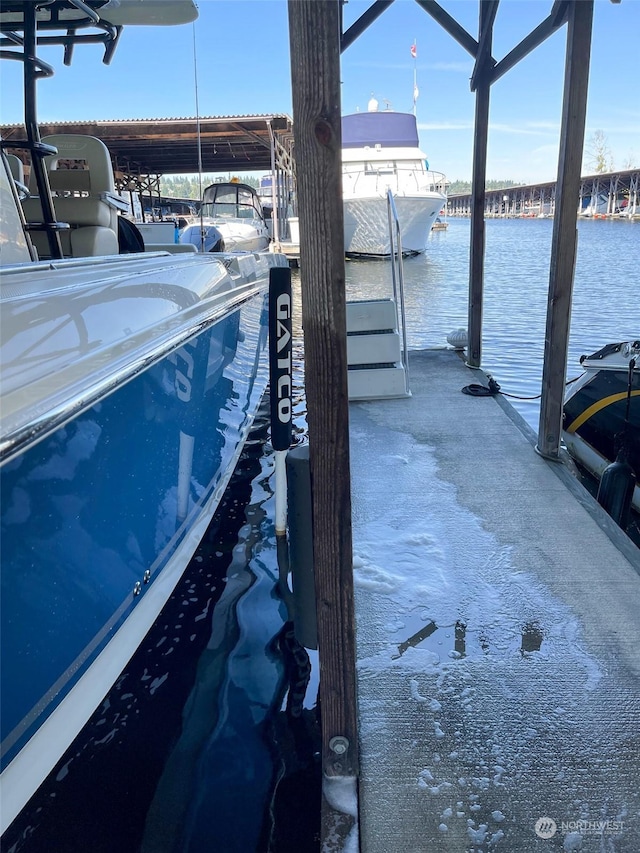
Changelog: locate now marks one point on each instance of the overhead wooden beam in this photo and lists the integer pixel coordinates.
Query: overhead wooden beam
(365, 20)
(565, 235)
(484, 60)
(314, 30)
(261, 140)
(450, 25)
(559, 13)
(550, 25)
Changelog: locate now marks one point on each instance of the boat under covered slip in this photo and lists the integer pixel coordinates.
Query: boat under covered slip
(602, 411)
(129, 384)
(231, 220)
(381, 152)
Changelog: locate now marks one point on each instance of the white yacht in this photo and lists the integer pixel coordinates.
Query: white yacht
(380, 151)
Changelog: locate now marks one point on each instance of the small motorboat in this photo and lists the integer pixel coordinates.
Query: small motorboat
(130, 380)
(235, 211)
(602, 411)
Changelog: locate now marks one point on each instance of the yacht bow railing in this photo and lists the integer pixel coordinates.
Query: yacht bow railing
(397, 279)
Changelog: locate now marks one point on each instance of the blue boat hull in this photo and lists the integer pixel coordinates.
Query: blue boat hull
(99, 519)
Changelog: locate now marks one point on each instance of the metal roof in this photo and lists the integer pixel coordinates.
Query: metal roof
(162, 146)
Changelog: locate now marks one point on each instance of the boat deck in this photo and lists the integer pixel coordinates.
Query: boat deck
(498, 633)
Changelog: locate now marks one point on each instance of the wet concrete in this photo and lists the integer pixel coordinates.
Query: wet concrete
(498, 634)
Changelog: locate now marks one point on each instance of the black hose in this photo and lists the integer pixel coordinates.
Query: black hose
(493, 388)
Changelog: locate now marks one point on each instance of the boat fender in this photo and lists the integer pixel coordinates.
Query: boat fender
(475, 390)
(616, 489)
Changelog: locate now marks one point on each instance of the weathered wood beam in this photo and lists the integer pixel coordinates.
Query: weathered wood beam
(559, 12)
(565, 236)
(535, 38)
(365, 20)
(314, 31)
(450, 25)
(484, 60)
(261, 140)
(479, 179)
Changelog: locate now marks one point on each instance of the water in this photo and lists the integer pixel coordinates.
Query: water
(606, 303)
(209, 740)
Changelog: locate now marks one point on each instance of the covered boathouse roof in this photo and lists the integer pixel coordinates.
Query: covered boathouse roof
(162, 146)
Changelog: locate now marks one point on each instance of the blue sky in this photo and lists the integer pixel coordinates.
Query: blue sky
(242, 49)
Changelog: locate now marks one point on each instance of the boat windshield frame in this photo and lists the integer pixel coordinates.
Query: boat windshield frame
(231, 201)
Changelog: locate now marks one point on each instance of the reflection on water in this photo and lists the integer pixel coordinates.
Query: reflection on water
(210, 738)
(452, 640)
(605, 303)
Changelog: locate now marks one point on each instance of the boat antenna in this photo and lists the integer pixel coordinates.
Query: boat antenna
(198, 135)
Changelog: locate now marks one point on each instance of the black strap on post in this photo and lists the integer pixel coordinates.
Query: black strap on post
(280, 367)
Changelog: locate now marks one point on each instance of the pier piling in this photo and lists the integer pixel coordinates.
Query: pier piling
(315, 74)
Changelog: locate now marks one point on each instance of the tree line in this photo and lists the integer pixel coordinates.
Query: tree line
(464, 187)
(188, 186)
(597, 160)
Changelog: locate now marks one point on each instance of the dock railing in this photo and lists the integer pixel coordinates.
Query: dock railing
(397, 279)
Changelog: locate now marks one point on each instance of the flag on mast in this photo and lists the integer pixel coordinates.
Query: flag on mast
(414, 54)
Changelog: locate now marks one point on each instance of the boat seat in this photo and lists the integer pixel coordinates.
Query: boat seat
(84, 195)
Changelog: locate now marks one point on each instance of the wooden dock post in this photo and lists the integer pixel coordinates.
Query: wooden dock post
(314, 32)
(481, 83)
(565, 235)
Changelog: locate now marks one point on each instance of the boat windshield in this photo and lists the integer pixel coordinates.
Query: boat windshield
(364, 176)
(385, 167)
(230, 202)
(229, 210)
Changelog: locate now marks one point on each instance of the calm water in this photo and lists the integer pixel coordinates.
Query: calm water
(209, 741)
(606, 304)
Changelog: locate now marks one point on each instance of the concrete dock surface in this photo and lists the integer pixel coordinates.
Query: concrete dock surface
(498, 634)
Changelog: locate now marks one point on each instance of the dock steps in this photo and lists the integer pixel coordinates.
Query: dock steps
(374, 351)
